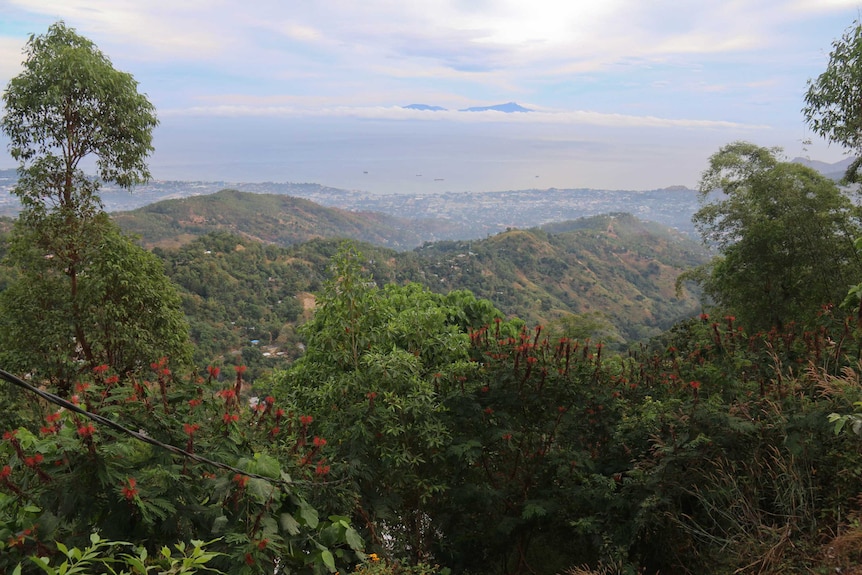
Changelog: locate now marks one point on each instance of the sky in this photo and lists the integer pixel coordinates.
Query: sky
(625, 94)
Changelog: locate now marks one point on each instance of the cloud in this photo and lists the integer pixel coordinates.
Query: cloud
(462, 36)
(10, 57)
(579, 117)
(150, 29)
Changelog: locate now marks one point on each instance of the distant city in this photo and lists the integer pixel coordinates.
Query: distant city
(486, 211)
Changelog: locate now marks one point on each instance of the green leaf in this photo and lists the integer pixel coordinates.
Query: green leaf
(532, 510)
(42, 563)
(328, 560)
(308, 514)
(289, 524)
(219, 524)
(353, 539)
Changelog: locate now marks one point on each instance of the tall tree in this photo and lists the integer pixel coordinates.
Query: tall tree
(377, 366)
(70, 104)
(833, 102)
(785, 235)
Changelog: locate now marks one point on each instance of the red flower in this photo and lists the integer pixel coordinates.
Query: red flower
(130, 488)
(279, 413)
(86, 430)
(321, 469)
(228, 418)
(81, 387)
(111, 380)
(695, 385)
(100, 369)
(10, 434)
(489, 411)
(269, 399)
(704, 317)
(213, 371)
(241, 480)
(319, 441)
(5, 472)
(240, 369)
(305, 419)
(249, 560)
(33, 461)
(190, 429)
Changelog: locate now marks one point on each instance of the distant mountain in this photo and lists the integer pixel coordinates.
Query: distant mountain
(834, 171)
(274, 219)
(508, 108)
(425, 107)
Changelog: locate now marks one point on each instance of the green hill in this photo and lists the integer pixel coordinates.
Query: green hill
(268, 218)
(613, 266)
(612, 276)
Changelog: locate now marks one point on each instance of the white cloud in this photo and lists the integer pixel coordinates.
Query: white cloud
(10, 57)
(151, 29)
(579, 117)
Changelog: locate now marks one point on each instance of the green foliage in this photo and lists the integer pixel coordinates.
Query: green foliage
(64, 476)
(832, 100)
(242, 299)
(125, 310)
(68, 103)
(84, 295)
(371, 379)
(105, 556)
(268, 218)
(529, 431)
(615, 267)
(785, 234)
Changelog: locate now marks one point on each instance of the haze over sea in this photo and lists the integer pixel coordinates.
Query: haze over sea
(425, 156)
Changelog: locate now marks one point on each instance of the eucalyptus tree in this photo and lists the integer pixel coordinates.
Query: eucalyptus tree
(70, 106)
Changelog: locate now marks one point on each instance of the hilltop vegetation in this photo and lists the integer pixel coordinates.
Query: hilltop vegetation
(613, 276)
(277, 219)
(615, 267)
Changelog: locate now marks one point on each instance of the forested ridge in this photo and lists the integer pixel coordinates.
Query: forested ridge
(612, 277)
(270, 218)
(540, 401)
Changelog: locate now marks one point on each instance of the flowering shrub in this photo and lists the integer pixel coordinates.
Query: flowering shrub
(199, 463)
